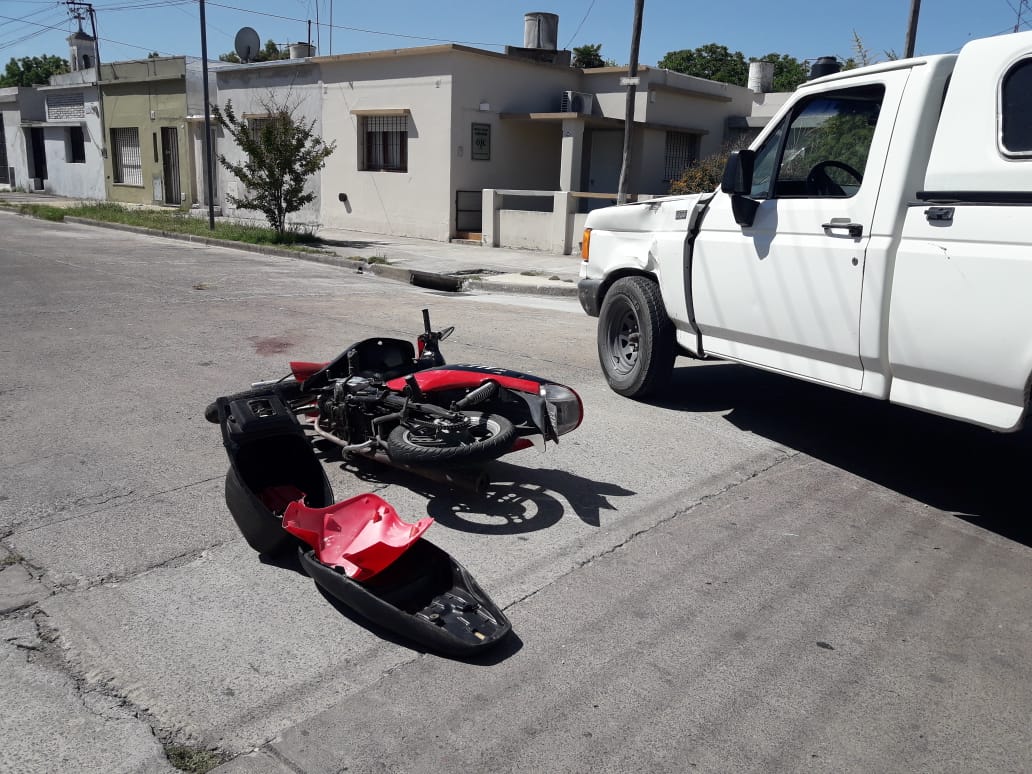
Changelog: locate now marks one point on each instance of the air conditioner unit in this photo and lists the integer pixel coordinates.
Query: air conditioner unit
(580, 102)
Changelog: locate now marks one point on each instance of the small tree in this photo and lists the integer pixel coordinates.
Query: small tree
(282, 152)
(589, 55)
(705, 174)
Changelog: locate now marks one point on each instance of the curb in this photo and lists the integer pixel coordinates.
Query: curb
(425, 279)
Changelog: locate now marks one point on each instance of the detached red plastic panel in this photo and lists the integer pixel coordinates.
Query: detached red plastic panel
(363, 535)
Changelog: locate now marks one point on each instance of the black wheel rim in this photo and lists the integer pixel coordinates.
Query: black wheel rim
(622, 340)
(446, 434)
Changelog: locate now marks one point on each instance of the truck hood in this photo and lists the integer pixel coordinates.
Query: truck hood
(661, 214)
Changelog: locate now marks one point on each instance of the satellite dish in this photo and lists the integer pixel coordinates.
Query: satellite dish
(246, 44)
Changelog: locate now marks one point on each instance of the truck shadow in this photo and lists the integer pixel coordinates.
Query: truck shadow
(976, 474)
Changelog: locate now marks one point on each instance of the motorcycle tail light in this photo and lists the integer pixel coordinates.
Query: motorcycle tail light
(564, 407)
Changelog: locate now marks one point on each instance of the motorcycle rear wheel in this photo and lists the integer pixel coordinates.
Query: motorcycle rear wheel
(488, 436)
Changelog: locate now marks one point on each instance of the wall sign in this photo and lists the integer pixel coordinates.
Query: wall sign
(481, 144)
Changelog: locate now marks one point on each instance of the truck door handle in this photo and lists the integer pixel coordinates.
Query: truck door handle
(855, 229)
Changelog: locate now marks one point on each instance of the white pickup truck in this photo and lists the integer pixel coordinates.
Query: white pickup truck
(876, 237)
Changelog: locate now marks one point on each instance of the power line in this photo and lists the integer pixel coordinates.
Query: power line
(358, 29)
(587, 13)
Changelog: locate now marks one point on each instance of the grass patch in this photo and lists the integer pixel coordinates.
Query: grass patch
(179, 222)
(10, 559)
(193, 759)
(531, 273)
(378, 259)
(42, 211)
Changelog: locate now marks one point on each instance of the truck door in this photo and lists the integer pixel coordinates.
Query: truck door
(785, 292)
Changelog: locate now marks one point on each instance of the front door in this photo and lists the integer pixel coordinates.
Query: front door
(39, 154)
(170, 164)
(785, 292)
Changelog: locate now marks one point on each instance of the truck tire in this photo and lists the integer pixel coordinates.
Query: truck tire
(635, 338)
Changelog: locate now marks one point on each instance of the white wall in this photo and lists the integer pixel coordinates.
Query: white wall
(247, 87)
(415, 202)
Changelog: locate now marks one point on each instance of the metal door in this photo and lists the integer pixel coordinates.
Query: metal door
(170, 164)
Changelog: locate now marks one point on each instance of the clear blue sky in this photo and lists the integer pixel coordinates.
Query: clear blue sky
(129, 29)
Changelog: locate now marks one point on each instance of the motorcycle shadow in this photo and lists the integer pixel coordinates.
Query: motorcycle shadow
(517, 500)
(978, 475)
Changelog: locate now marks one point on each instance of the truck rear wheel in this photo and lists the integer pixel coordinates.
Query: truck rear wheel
(635, 338)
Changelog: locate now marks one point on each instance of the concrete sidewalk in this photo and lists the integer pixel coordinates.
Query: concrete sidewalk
(457, 265)
(452, 266)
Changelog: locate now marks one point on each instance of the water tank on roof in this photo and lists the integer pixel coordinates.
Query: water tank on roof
(541, 30)
(825, 65)
(301, 50)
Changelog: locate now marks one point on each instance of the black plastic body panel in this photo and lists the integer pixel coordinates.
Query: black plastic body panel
(425, 596)
(267, 448)
(589, 293)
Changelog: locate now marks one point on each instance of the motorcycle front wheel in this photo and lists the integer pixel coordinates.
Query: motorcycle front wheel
(475, 437)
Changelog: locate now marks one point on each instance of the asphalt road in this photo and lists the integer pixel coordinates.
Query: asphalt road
(750, 574)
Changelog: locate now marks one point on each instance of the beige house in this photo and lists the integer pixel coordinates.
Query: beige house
(149, 107)
(448, 141)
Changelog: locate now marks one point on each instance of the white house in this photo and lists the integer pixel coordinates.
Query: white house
(449, 141)
(14, 162)
(66, 127)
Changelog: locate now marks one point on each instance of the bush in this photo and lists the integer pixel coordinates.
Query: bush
(704, 175)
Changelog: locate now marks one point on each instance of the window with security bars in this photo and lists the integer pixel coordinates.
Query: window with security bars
(682, 149)
(4, 171)
(126, 164)
(385, 146)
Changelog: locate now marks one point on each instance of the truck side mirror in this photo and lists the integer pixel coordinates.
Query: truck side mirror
(738, 173)
(737, 181)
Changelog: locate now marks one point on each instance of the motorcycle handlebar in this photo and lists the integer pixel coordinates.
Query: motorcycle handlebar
(426, 322)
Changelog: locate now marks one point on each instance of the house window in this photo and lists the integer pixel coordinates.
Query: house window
(385, 146)
(5, 177)
(1016, 110)
(682, 149)
(76, 145)
(126, 164)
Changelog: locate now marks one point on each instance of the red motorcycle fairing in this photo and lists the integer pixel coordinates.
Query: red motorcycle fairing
(452, 377)
(302, 369)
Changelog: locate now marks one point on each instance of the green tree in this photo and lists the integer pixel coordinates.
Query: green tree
(589, 55)
(32, 70)
(267, 54)
(711, 61)
(718, 63)
(282, 152)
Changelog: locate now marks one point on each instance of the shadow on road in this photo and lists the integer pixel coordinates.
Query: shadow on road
(976, 474)
(518, 499)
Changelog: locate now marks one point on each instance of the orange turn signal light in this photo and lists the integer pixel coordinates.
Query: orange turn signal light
(585, 244)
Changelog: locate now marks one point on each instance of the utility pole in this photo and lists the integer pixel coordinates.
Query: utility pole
(209, 187)
(915, 9)
(631, 81)
(74, 6)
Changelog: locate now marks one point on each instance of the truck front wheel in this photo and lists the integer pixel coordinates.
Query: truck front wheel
(635, 338)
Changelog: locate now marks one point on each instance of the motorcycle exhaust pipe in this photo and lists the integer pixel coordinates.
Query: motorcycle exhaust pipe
(470, 480)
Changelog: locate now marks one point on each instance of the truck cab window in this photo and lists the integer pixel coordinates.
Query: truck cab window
(826, 147)
(1016, 110)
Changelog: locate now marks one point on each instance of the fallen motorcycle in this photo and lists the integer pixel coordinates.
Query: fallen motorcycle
(383, 399)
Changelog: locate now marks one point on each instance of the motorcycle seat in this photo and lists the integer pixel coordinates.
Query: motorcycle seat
(384, 359)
